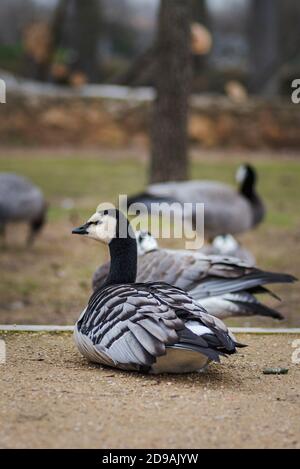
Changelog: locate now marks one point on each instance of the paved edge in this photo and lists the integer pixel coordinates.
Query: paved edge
(55, 328)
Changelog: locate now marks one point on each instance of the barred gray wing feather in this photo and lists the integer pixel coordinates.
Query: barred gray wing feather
(186, 269)
(134, 324)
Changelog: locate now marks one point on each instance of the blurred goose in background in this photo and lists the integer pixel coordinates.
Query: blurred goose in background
(148, 327)
(224, 286)
(21, 201)
(227, 211)
(227, 245)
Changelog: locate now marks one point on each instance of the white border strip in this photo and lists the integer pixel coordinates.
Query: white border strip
(35, 328)
(53, 328)
(265, 330)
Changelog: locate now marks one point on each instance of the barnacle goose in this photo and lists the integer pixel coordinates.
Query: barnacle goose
(224, 286)
(21, 201)
(149, 327)
(227, 245)
(226, 210)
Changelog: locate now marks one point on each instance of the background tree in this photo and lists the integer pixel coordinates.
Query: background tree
(86, 26)
(169, 160)
(41, 38)
(264, 27)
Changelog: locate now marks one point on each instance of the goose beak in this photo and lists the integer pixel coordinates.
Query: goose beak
(81, 230)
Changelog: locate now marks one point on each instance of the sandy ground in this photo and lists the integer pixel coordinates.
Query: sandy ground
(51, 397)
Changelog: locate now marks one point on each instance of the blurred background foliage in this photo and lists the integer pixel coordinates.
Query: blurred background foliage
(238, 58)
(256, 42)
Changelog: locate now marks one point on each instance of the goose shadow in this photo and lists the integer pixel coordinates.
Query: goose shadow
(215, 376)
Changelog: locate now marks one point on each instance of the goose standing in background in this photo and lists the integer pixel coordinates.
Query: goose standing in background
(226, 211)
(224, 286)
(227, 245)
(147, 327)
(21, 201)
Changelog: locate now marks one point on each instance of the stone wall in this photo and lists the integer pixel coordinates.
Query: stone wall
(88, 119)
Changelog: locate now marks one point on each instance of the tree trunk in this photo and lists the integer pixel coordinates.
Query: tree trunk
(169, 142)
(264, 29)
(200, 12)
(86, 33)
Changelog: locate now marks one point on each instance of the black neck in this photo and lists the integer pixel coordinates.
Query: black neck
(123, 261)
(247, 189)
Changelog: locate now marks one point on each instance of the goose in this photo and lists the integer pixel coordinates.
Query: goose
(145, 243)
(224, 286)
(226, 211)
(151, 327)
(227, 245)
(21, 201)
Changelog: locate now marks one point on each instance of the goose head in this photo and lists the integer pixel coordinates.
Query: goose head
(145, 242)
(105, 226)
(111, 227)
(225, 244)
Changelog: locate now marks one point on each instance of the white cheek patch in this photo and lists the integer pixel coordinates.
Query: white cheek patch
(145, 242)
(241, 174)
(106, 230)
(149, 244)
(96, 217)
(225, 244)
(91, 232)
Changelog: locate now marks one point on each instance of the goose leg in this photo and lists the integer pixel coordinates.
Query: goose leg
(35, 227)
(2, 234)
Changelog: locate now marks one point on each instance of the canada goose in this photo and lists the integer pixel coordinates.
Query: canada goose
(227, 245)
(147, 327)
(21, 201)
(224, 286)
(225, 209)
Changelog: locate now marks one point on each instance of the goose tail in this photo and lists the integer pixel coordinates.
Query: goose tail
(252, 282)
(249, 308)
(240, 304)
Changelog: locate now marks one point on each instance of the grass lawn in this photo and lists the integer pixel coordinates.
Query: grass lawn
(50, 283)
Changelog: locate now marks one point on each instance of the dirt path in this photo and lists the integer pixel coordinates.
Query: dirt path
(51, 397)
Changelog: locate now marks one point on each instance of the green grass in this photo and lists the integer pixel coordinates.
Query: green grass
(53, 278)
(90, 180)
(279, 185)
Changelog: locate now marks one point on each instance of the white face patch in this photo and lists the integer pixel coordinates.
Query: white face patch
(102, 227)
(225, 244)
(241, 174)
(145, 242)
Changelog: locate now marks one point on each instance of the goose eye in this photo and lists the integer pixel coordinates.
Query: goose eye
(105, 212)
